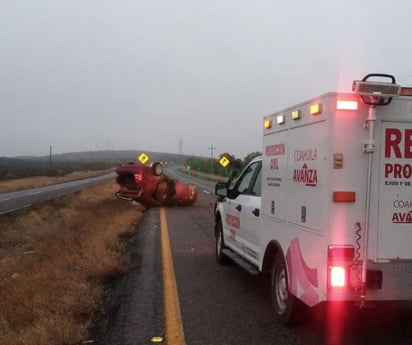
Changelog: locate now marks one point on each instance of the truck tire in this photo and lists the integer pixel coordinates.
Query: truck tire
(284, 303)
(221, 258)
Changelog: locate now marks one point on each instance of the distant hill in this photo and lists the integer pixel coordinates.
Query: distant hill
(61, 164)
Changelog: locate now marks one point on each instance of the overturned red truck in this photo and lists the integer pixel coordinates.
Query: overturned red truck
(149, 186)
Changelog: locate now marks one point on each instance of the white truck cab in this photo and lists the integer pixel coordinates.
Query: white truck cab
(240, 209)
(327, 209)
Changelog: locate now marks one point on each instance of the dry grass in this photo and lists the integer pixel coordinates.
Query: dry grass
(40, 181)
(54, 262)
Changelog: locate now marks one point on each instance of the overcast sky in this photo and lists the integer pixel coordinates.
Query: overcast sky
(86, 75)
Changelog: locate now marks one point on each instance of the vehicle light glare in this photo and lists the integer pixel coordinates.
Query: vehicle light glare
(268, 124)
(346, 105)
(337, 276)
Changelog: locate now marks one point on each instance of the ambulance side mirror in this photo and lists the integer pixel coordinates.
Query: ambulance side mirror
(221, 189)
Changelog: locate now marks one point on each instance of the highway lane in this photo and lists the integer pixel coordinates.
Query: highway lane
(223, 304)
(16, 200)
(204, 186)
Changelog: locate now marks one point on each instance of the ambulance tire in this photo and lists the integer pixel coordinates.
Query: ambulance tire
(284, 303)
(221, 258)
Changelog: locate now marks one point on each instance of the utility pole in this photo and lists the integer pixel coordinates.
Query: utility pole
(50, 162)
(180, 146)
(211, 148)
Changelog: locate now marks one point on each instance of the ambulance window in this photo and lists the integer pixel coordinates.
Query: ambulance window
(257, 188)
(246, 180)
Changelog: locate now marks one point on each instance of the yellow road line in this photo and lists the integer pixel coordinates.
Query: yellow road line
(174, 326)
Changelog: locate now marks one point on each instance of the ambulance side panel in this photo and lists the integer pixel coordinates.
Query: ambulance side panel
(299, 180)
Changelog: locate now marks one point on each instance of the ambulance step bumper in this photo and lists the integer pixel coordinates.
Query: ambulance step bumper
(396, 280)
(253, 270)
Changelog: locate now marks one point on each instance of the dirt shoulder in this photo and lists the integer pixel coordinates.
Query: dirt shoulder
(55, 259)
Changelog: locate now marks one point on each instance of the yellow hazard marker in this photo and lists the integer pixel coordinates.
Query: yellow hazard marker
(143, 158)
(174, 326)
(224, 162)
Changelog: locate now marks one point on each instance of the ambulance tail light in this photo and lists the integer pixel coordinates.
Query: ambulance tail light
(337, 277)
(339, 259)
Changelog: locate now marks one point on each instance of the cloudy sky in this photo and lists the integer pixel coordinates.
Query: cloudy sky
(86, 75)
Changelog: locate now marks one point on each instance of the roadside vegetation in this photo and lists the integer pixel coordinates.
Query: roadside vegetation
(17, 168)
(41, 181)
(208, 166)
(55, 259)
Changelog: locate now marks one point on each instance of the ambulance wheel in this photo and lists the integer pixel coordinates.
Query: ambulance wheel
(284, 303)
(220, 244)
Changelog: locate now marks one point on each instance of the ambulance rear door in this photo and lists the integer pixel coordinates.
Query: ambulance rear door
(394, 217)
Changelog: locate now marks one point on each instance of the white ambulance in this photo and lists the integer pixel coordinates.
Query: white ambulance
(327, 210)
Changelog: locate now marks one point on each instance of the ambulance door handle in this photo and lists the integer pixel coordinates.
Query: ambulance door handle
(239, 208)
(256, 212)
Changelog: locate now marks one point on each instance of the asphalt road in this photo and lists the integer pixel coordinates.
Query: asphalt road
(222, 305)
(16, 200)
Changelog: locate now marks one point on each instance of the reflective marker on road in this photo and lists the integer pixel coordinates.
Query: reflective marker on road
(157, 340)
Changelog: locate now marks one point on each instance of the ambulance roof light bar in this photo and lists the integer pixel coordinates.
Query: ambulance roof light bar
(373, 92)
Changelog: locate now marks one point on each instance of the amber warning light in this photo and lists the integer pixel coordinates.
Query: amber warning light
(315, 109)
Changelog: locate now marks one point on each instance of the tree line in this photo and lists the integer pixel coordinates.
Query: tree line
(214, 166)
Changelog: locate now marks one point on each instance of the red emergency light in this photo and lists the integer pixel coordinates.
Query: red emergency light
(342, 104)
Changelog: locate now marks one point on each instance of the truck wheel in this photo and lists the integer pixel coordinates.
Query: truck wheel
(284, 303)
(220, 244)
